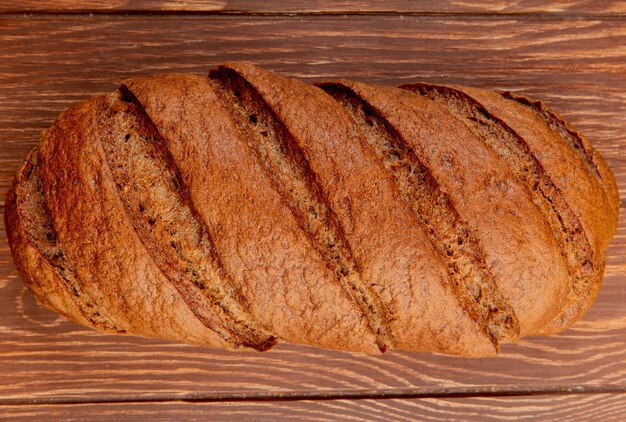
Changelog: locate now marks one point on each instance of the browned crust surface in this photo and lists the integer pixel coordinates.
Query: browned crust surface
(582, 191)
(390, 248)
(157, 203)
(97, 236)
(594, 161)
(519, 250)
(278, 220)
(41, 277)
(513, 150)
(292, 292)
(469, 279)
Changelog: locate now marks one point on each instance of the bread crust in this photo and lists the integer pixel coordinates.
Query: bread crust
(98, 238)
(520, 250)
(584, 193)
(390, 248)
(37, 272)
(596, 163)
(283, 217)
(248, 220)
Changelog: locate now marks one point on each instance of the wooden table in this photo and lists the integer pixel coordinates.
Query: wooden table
(571, 54)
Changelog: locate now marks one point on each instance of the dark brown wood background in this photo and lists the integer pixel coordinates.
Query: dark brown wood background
(570, 53)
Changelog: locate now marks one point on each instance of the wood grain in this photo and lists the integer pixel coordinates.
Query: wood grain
(604, 407)
(602, 7)
(49, 62)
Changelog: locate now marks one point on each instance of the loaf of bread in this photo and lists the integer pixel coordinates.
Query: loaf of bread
(243, 208)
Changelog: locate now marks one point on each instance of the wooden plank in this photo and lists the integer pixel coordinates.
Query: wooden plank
(605, 407)
(603, 7)
(48, 63)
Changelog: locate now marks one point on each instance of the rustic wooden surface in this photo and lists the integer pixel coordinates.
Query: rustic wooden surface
(571, 54)
(571, 408)
(601, 7)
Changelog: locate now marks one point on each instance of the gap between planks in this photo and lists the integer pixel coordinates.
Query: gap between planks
(325, 396)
